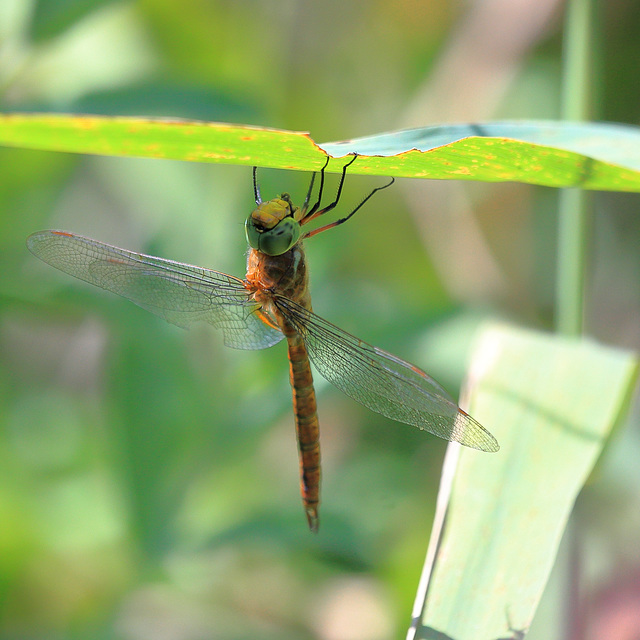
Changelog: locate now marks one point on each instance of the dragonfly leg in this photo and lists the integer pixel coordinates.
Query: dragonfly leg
(314, 212)
(306, 200)
(310, 234)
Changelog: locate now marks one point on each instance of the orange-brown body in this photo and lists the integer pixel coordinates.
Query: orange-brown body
(271, 303)
(286, 274)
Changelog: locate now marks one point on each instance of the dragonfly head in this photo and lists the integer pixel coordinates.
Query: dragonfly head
(272, 227)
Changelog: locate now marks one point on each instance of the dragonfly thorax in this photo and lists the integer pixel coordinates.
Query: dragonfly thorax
(272, 227)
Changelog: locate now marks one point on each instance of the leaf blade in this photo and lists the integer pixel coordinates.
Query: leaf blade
(587, 155)
(551, 402)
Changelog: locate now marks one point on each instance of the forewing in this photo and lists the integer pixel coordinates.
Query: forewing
(180, 293)
(382, 382)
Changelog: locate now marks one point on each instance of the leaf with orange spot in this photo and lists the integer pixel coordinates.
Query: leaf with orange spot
(556, 154)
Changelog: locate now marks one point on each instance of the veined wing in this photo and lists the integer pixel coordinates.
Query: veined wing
(382, 382)
(180, 293)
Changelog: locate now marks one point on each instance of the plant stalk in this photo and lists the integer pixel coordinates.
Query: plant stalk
(573, 223)
(574, 203)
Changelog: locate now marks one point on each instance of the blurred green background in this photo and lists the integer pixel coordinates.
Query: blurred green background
(148, 476)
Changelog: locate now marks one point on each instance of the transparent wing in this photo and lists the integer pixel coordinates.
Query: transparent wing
(180, 293)
(382, 382)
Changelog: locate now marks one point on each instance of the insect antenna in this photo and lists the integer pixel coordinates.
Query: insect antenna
(256, 188)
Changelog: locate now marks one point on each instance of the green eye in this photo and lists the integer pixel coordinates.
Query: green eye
(276, 241)
(253, 236)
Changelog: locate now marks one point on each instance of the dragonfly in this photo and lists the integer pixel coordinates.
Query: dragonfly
(273, 303)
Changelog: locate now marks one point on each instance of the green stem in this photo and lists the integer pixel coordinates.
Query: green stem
(573, 221)
(573, 205)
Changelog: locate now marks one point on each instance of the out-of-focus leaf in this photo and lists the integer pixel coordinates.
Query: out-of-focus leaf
(51, 18)
(551, 402)
(590, 156)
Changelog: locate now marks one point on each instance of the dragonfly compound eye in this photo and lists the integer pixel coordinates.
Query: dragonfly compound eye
(275, 241)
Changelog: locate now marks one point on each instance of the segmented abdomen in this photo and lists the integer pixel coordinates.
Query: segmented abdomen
(286, 275)
(307, 427)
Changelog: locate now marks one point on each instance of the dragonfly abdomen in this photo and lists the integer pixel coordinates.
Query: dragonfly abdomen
(307, 427)
(286, 275)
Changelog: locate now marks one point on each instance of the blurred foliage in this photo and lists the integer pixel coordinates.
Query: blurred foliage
(148, 476)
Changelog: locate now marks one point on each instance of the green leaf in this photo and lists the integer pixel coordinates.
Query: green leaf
(590, 156)
(159, 138)
(551, 402)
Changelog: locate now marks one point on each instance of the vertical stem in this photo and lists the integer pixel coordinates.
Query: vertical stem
(572, 240)
(573, 205)
(572, 234)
